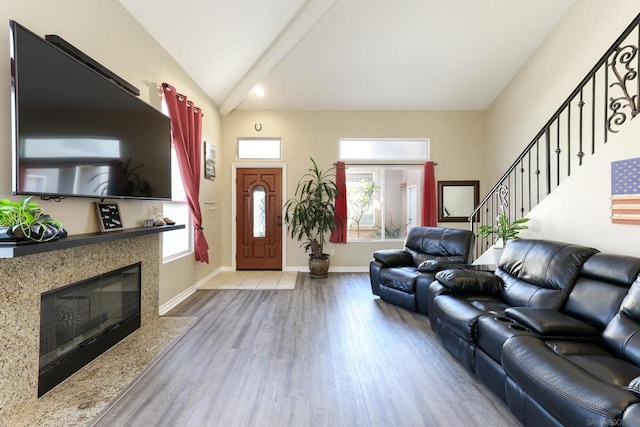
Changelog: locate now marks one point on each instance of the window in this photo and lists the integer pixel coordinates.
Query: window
(259, 148)
(384, 195)
(177, 242)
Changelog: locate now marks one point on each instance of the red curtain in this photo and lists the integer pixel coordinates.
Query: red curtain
(186, 133)
(339, 234)
(429, 217)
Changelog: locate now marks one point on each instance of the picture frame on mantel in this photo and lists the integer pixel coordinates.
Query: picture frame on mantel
(209, 161)
(109, 217)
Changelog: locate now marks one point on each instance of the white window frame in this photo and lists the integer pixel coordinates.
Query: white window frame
(179, 212)
(373, 155)
(271, 150)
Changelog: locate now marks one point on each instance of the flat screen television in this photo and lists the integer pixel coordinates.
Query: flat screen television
(77, 133)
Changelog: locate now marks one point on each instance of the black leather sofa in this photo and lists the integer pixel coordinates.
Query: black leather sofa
(555, 332)
(402, 276)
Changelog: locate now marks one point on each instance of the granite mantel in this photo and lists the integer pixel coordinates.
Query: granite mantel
(28, 247)
(29, 270)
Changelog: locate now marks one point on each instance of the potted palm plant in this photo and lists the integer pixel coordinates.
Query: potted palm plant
(310, 215)
(26, 220)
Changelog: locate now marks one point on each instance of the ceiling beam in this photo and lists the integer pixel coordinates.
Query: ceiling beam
(308, 15)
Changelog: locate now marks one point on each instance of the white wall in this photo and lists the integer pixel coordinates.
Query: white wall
(579, 210)
(456, 141)
(547, 78)
(105, 31)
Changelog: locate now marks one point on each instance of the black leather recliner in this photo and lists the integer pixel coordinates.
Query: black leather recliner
(531, 273)
(402, 276)
(593, 302)
(581, 380)
(569, 352)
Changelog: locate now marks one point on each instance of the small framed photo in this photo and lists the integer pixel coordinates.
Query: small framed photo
(209, 160)
(108, 216)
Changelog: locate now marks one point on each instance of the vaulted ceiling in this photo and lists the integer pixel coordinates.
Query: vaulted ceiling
(350, 54)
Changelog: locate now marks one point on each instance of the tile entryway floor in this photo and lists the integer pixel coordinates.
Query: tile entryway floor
(252, 280)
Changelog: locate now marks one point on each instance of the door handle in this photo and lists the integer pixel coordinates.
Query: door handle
(279, 221)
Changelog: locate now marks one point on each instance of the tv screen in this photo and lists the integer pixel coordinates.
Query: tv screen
(76, 133)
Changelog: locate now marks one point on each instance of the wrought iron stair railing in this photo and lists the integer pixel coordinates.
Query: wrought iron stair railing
(604, 101)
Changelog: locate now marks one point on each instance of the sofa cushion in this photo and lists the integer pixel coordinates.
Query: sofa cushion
(603, 283)
(540, 273)
(565, 385)
(448, 244)
(622, 334)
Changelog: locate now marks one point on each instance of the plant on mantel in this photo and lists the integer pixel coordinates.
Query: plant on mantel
(26, 220)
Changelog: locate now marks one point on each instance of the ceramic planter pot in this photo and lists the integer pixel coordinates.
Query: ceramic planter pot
(319, 266)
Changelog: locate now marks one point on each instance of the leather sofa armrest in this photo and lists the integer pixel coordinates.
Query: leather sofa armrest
(470, 282)
(435, 265)
(393, 258)
(548, 322)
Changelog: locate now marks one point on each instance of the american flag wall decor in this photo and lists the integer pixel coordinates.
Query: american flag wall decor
(625, 191)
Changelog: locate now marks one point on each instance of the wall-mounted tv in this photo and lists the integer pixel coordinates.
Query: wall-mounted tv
(77, 133)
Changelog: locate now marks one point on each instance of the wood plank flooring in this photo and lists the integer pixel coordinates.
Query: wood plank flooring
(328, 353)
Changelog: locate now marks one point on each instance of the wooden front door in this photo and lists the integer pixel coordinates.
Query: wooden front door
(259, 219)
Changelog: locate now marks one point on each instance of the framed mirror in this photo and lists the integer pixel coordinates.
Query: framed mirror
(457, 199)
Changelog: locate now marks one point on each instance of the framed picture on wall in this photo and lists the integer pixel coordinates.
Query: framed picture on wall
(209, 160)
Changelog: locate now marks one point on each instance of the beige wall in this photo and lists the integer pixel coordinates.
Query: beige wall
(105, 31)
(547, 78)
(456, 144)
(578, 211)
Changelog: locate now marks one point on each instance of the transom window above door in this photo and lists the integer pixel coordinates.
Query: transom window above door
(259, 148)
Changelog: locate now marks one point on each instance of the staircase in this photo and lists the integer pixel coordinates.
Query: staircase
(604, 101)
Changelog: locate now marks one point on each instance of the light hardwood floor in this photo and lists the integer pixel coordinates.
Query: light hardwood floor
(326, 353)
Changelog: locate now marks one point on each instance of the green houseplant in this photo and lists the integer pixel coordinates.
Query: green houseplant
(310, 215)
(26, 220)
(503, 231)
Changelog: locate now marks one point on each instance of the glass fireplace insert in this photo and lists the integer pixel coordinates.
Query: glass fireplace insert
(80, 321)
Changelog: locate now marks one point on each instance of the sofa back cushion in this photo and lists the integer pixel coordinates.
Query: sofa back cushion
(622, 334)
(445, 244)
(540, 273)
(602, 284)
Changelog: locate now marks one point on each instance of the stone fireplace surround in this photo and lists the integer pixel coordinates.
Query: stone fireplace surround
(24, 278)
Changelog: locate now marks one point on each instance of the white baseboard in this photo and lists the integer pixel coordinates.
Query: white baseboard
(332, 269)
(167, 306)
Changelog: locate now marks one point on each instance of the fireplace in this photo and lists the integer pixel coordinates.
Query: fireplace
(81, 321)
